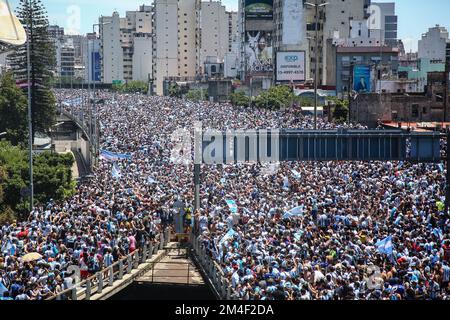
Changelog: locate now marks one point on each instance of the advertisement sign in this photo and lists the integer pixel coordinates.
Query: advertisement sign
(96, 69)
(293, 22)
(259, 9)
(291, 66)
(258, 52)
(361, 78)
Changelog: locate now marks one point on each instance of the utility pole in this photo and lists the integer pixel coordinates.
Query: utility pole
(447, 74)
(316, 61)
(30, 124)
(316, 67)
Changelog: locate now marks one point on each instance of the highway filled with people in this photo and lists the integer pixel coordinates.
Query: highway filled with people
(298, 231)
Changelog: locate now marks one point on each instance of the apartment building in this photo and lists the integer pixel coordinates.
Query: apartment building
(165, 42)
(215, 36)
(388, 23)
(119, 36)
(433, 43)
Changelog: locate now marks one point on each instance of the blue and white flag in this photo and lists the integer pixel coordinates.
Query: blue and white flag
(296, 174)
(441, 167)
(150, 180)
(2, 289)
(385, 246)
(73, 102)
(111, 156)
(116, 171)
(438, 233)
(232, 205)
(227, 236)
(295, 212)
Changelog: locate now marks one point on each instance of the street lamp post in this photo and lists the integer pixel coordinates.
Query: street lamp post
(94, 132)
(316, 61)
(30, 125)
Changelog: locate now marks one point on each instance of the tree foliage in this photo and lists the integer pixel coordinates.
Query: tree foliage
(196, 95)
(131, 87)
(340, 112)
(13, 111)
(275, 98)
(239, 99)
(52, 177)
(33, 16)
(175, 91)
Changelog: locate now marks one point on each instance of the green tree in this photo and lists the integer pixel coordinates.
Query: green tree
(340, 112)
(131, 87)
(239, 99)
(13, 110)
(196, 95)
(6, 213)
(33, 16)
(175, 90)
(53, 177)
(275, 98)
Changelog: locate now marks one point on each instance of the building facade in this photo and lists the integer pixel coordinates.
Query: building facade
(389, 23)
(433, 43)
(350, 59)
(119, 36)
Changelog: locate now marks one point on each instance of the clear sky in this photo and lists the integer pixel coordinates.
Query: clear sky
(415, 16)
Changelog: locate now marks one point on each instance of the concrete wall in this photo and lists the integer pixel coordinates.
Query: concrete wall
(366, 109)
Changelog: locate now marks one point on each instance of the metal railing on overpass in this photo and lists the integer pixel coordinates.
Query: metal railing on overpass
(219, 282)
(107, 277)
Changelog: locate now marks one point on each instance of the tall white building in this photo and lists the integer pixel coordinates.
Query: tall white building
(119, 36)
(111, 49)
(215, 35)
(189, 38)
(388, 23)
(165, 53)
(433, 43)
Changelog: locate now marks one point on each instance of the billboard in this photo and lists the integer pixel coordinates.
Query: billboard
(361, 78)
(294, 26)
(258, 52)
(96, 66)
(291, 66)
(259, 9)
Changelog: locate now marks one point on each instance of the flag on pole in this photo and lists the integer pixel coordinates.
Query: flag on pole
(116, 171)
(385, 246)
(232, 205)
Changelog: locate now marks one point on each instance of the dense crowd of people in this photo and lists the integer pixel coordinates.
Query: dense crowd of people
(301, 231)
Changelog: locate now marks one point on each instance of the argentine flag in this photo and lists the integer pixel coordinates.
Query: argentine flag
(438, 233)
(296, 174)
(385, 246)
(111, 156)
(295, 212)
(227, 236)
(116, 171)
(232, 205)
